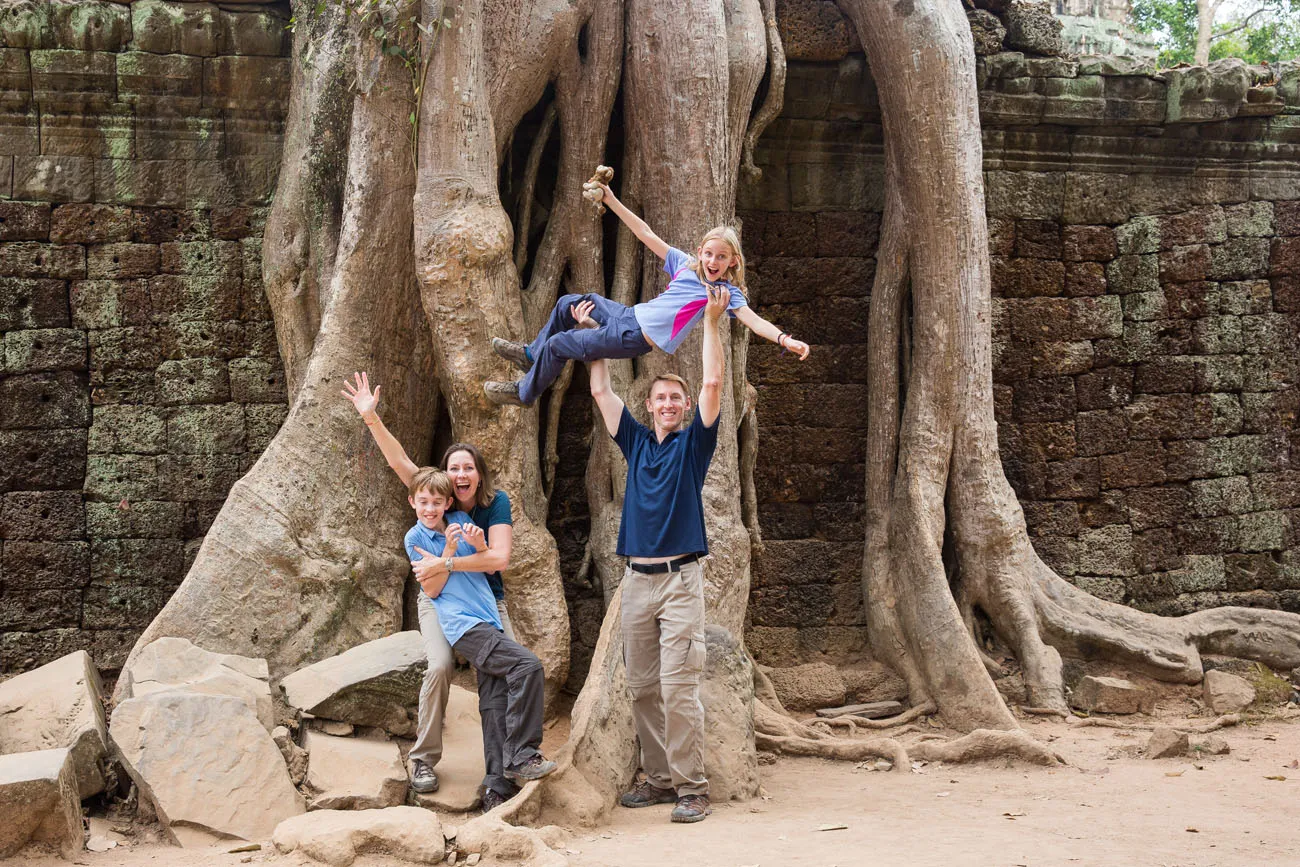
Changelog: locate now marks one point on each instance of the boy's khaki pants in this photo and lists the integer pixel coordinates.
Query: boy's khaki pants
(663, 648)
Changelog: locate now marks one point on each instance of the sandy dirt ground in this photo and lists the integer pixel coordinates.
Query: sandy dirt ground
(1109, 807)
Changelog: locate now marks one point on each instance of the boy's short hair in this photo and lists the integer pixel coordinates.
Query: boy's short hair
(672, 377)
(430, 479)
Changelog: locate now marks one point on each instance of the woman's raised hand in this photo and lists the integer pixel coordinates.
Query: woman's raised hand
(359, 393)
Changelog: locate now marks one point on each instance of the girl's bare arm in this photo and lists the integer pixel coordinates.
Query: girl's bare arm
(768, 331)
(638, 226)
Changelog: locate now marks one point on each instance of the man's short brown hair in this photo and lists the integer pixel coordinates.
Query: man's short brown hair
(430, 479)
(672, 377)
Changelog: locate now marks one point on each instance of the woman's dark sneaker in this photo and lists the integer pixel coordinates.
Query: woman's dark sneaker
(515, 353)
(503, 393)
(691, 808)
(533, 769)
(646, 794)
(423, 779)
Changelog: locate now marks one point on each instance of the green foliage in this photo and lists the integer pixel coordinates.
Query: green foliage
(1258, 32)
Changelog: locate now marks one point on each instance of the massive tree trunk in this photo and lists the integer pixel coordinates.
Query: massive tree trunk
(946, 539)
(373, 262)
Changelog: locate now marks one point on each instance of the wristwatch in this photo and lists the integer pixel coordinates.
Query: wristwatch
(447, 563)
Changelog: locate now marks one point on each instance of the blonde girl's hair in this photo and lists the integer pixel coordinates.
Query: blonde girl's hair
(736, 273)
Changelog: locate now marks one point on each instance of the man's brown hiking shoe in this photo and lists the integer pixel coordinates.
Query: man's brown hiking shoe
(503, 393)
(646, 794)
(691, 808)
(515, 353)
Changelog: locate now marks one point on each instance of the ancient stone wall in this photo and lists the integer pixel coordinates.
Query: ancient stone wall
(1146, 260)
(1146, 274)
(140, 378)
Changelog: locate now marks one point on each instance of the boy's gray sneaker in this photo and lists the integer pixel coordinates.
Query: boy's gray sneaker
(691, 808)
(423, 779)
(503, 393)
(533, 769)
(646, 794)
(513, 353)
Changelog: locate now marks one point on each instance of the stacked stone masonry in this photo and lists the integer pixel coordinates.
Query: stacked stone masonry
(1145, 235)
(1145, 244)
(139, 377)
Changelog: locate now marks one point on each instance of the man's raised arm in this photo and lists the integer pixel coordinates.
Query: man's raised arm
(602, 391)
(714, 364)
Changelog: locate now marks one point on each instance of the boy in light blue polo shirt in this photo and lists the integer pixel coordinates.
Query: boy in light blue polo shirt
(510, 679)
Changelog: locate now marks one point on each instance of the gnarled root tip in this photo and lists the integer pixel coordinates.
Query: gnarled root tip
(983, 744)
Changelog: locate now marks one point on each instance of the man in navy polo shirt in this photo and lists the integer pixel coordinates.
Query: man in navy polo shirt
(662, 536)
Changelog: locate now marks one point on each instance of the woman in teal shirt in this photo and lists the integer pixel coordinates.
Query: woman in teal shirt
(489, 508)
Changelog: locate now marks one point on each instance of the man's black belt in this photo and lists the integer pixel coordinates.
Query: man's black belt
(660, 568)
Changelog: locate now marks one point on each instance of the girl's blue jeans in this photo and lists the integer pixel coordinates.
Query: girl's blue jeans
(619, 336)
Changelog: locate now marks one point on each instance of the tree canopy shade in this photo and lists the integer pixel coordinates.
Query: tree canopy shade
(1257, 31)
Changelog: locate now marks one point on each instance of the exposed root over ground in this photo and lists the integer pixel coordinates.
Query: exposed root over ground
(780, 734)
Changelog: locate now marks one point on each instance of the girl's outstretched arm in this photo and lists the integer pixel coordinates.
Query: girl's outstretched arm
(768, 331)
(366, 404)
(638, 226)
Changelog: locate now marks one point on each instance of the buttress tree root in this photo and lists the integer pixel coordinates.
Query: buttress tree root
(946, 538)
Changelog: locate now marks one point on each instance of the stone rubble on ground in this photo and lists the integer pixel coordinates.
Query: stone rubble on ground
(176, 663)
(39, 803)
(1226, 693)
(373, 684)
(204, 762)
(295, 757)
(337, 837)
(1166, 743)
(354, 773)
(1110, 695)
(809, 686)
(461, 769)
(58, 705)
(1211, 745)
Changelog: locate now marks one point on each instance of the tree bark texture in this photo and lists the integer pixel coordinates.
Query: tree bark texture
(406, 264)
(946, 538)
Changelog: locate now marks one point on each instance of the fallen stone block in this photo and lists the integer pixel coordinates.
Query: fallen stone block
(176, 663)
(1166, 743)
(1032, 27)
(373, 684)
(1226, 693)
(354, 773)
(808, 687)
(295, 757)
(1110, 695)
(205, 762)
(58, 705)
(870, 710)
(39, 803)
(460, 772)
(337, 837)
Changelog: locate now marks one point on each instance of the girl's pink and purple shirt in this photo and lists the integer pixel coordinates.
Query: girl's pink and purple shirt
(668, 318)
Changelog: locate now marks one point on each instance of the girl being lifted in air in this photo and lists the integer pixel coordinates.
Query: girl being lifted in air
(587, 327)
